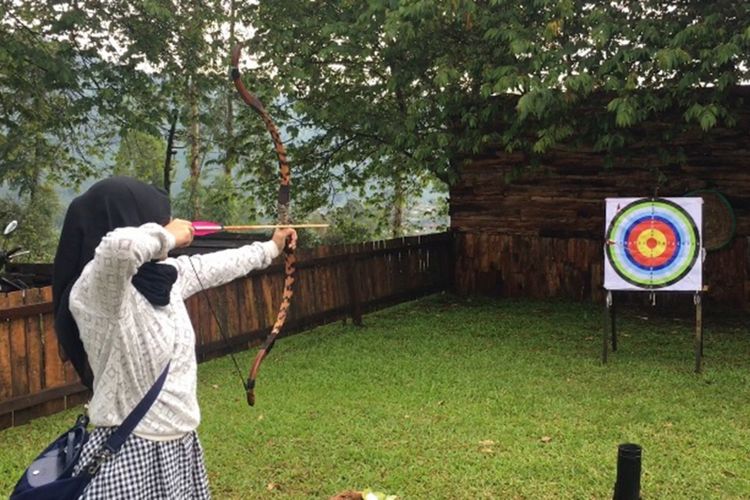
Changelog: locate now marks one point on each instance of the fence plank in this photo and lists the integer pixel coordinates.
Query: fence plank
(266, 284)
(6, 372)
(18, 358)
(54, 372)
(35, 349)
(232, 307)
(217, 322)
(248, 314)
(354, 290)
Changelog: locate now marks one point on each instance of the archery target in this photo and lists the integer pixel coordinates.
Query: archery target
(653, 243)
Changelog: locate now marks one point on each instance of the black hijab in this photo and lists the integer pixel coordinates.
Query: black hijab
(108, 204)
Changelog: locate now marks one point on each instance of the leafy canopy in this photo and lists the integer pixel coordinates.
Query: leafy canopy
(415, 85)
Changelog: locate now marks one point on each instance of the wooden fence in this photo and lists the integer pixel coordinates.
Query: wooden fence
(332, 283)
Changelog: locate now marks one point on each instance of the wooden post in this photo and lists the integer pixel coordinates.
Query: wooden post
(698, 331)
(612, 324)
(356, 304)
(609, 325)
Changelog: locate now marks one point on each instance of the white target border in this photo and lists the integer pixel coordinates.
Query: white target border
(693, 279)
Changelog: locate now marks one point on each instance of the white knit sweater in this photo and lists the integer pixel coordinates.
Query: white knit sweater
(129, 341)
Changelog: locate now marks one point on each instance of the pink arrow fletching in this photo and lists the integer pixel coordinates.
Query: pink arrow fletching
(204, 227)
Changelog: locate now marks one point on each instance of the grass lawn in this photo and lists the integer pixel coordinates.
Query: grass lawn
(447, 398)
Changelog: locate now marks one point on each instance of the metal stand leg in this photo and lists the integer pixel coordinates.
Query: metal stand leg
(698, 331)
(612, 322)
(609, 328)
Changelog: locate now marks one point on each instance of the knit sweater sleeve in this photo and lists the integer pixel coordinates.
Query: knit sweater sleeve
(199, 272)
(105, 278)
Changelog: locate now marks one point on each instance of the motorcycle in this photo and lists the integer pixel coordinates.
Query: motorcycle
(10, 282)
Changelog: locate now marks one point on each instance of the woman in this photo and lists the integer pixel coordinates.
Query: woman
(120, 317)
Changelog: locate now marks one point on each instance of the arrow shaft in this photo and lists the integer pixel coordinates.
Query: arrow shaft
(272, 226)
(203, 228)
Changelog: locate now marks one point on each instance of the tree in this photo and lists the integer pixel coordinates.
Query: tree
(643, 59)
(74, 73)
(414, 86)
(40, 116)
(348, 87)
(376, 99)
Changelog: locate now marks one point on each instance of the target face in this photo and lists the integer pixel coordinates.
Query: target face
(653, 243)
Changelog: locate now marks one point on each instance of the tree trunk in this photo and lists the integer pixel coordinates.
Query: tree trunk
(170, 152)
(194, 138)
(399, 191)
(399, 202)
(231, 151)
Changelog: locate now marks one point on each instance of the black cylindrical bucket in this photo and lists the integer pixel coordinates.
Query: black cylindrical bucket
(628, 483)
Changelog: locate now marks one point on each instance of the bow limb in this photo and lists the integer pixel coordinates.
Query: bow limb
(283, 203)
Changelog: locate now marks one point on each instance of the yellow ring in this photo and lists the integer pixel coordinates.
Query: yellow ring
(651, 251)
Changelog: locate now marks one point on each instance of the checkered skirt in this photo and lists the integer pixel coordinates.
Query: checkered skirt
(147, 469)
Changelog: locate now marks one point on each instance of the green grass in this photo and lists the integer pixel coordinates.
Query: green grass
(449, 399)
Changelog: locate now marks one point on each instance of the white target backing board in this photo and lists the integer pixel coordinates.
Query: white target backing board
(653, 244)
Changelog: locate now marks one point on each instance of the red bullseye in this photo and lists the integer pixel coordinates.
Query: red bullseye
(651, 243)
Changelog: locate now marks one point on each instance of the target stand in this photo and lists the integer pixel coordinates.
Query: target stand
(653, 245)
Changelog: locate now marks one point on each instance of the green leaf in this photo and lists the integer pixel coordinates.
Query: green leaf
(625, 111)
(582, 83)
(725, 52)
(708, 117)
(519, 46)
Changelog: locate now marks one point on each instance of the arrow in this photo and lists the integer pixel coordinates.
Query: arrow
(203, 227)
